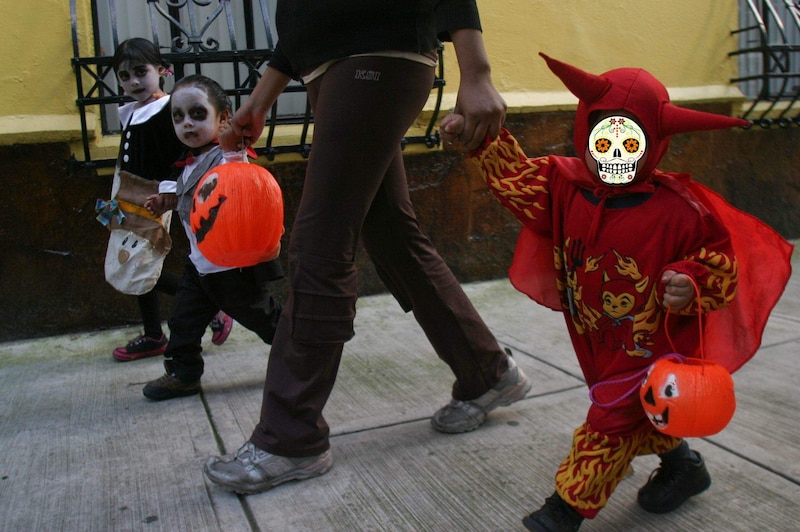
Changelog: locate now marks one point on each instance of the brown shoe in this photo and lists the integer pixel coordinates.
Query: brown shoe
(169, 387)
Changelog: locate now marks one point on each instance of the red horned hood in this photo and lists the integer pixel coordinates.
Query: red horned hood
(634, 90)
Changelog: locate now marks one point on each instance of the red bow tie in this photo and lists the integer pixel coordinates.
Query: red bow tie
(189, 159)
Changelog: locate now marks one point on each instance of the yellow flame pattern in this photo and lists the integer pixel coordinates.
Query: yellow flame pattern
(598, 462)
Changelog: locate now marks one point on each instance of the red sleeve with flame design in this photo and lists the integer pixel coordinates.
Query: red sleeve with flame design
(519, 183)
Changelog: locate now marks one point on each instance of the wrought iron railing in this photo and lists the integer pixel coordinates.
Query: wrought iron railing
(769, 61)
(194, 35)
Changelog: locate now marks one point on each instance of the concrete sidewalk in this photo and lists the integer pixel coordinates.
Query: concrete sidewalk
(83, 450)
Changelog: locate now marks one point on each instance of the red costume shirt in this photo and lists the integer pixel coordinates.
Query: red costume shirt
(597, 251)
(606, 257)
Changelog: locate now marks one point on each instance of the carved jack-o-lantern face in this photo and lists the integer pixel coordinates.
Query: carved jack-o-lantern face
(692, 398)
(237, 215)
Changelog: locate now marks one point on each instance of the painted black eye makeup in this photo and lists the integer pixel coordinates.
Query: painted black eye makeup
(198, 113)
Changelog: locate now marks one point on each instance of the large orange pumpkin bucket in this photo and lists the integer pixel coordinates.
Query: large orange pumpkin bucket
(688, 397)
(681, 396)
(237, 215)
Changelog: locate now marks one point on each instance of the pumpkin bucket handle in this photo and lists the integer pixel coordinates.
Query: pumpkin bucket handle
(699, 321)
(636, 378)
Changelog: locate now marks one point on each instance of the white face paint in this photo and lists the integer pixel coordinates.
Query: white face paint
(194, 118)
(140, 82)
(617, 143)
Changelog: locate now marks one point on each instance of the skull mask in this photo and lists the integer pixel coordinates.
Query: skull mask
(617, 143)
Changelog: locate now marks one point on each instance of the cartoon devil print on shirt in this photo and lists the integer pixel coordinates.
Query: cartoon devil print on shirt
(623, 318)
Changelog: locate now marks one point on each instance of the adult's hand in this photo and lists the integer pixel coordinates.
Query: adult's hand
(450, 128)
(478, 101)
(245, 128)
(248, 121)
(484, 112)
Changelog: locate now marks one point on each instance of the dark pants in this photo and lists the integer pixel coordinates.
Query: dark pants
(240, 293)
(150, 306)
(355, 187)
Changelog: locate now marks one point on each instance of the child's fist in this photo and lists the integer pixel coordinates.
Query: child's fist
(678, 291)
(158, 204)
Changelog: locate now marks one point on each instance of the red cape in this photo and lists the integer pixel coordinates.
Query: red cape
(731, 335)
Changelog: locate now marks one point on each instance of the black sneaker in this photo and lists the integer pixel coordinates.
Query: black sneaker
(555, 516)
(141, 347)
(169, 387)
(674, 483)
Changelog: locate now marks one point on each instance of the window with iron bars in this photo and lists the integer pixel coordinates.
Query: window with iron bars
(229, 41)
(769, 61)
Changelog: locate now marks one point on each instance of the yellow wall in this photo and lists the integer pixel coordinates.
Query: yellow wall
(37, 86)
(682, 42)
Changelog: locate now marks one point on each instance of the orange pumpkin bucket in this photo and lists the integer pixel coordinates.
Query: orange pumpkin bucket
(237, 215)
(688, 397)
(681, 396)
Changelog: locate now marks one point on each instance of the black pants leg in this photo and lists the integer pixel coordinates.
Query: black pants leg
(150, 304)
(192, 311)
(240, 293)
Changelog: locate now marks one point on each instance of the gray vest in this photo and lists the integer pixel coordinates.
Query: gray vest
(185, 191)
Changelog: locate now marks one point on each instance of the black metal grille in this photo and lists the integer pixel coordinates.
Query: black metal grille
(192, 29)
(769, 61)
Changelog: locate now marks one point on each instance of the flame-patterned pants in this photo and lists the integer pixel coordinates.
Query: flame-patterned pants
(597, 463)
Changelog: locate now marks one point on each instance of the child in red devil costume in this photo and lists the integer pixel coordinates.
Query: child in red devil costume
(612, 242)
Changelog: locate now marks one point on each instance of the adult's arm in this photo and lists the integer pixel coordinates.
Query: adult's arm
(478, 100)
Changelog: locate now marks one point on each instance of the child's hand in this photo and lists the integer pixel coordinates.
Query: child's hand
(158, 204)
(679, 290)
(451, 128)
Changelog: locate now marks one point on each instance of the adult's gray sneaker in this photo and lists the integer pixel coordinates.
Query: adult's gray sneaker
(252, 470)
(464, 416)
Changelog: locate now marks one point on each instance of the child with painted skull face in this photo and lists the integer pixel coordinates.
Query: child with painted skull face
(200, 111)
(149, 149)
(613, 242)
